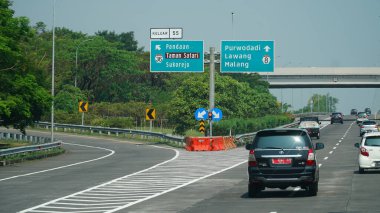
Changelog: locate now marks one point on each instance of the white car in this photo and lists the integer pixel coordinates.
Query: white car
(369, 151)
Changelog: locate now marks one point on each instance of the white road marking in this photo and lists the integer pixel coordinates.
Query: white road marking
(337, 144)
(182, 170)
(340, 141)
(325, 158)
(320, 165)
(331, 152)
(334, 147)
(61, 167)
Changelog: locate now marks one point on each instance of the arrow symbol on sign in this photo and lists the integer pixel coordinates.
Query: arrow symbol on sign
(267, 48)
(201, 114)
(158, 47)
(83, 107)
(216, 115)
(150, 114)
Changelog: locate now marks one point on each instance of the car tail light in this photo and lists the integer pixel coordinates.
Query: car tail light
(361, 126)
(310, 158)
(251, 158)
(364, 152)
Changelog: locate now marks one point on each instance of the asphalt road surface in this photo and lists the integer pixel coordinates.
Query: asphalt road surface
(108, 175)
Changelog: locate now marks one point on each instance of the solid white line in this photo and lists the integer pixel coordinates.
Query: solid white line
(104, 184)
(61, 167)
(325, 158)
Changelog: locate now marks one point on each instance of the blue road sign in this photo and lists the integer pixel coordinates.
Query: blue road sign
(176, 56)
(200, 114)
(217, 114)
(247, 56)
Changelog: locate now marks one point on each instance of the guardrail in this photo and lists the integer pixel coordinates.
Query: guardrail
(39, 143)
(178, 140)
(32, 148)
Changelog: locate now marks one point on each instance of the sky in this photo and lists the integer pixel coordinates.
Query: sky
(307, 33)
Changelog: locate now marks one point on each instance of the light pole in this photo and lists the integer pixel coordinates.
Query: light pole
(232, 16)
(52, 77)
(76, 60)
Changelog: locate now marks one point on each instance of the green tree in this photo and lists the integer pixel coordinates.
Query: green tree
(67, 99)
(235, 99)
(22, 99)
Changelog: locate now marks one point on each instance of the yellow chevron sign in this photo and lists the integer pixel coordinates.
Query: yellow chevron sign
(83, 106)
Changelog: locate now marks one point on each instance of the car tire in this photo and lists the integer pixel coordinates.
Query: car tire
(361, 170)
(253, 190)
(313, 189)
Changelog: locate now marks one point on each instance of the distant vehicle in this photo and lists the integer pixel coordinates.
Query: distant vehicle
(354, 111)
(280, 158)
(362, 116)
(312, 128)
(369, 152)
(336, 117)
(367, 110)
(368, 126)
(312, 118)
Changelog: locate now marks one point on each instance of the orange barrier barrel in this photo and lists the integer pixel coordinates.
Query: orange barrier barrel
(198, 144)
(217, 143)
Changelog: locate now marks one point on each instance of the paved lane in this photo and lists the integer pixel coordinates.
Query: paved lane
(341, 188)
(24, 192)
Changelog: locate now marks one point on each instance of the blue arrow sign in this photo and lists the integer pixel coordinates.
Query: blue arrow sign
(200, 114)
(247, 56)
(217, 114)
(176, 56)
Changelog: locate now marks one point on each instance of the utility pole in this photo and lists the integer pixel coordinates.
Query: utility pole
(52, 77)
(212, 84)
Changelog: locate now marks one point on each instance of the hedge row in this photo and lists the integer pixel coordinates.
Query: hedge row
(241, 126)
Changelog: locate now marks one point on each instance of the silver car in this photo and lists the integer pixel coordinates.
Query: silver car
(368, 126)
(360, 117)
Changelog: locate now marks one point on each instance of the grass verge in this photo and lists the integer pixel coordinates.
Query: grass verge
(18, 158)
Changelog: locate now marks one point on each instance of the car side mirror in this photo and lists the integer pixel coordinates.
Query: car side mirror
(319, 146)
(320, 122)
(357, 145)
(248, 146)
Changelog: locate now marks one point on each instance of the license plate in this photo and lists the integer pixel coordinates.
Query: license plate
(281, 161)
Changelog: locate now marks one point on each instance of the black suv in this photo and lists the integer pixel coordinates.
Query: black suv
(336, 117)
(280, 158)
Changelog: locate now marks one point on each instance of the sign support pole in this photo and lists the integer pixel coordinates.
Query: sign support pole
(212, 84)
(82, 118)
(150, 125)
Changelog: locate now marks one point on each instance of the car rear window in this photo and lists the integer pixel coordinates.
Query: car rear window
(369, 122)
(372, 141)
(282, 140)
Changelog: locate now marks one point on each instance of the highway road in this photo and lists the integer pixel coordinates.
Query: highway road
(107, 175)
